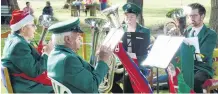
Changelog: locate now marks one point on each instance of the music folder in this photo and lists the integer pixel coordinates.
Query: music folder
(162, 52)
(136, 42)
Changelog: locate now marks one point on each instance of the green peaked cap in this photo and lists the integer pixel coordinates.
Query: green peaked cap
(131, 8)
(71, 25)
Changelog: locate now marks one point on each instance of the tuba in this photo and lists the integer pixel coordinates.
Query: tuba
(98, 24)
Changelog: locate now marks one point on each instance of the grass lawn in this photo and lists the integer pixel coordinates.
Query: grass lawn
(153, 11)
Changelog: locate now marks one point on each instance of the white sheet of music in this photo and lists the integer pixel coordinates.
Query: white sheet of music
(162, 52)
(113, 38)
(193, 41)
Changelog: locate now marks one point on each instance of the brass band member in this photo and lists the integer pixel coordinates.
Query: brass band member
(131, 12)
(207, 42)
(21, 59)
(67, 67)
(179, 18)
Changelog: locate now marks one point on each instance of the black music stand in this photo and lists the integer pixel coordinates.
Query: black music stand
(137, 41)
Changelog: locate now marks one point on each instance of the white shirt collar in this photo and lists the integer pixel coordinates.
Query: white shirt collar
(197, 30)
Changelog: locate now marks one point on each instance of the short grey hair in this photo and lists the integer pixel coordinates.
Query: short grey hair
(58, 39)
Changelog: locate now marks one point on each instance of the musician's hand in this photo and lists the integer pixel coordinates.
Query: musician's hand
(105, 53)
(48, 47)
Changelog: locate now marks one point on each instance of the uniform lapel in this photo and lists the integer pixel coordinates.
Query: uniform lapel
(138, 28)
(202, 34)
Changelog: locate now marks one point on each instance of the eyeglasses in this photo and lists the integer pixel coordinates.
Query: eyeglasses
(32, 25)
(193, 16)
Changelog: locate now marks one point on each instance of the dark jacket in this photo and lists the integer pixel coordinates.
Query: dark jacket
(47, 10)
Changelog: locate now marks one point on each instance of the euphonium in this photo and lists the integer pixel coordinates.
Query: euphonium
(112, 15)
(97, 25)
(176, 27)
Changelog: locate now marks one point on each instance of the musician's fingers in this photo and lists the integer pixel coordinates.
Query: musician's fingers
(43, 49)
(109, 48)
(44, 43)
(50, 43)
(102, 47)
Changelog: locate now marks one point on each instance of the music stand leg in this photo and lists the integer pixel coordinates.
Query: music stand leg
(157, 87)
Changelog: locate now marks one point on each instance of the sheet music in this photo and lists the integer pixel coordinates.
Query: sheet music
(193, 41)
(163, 51)
(113, 38)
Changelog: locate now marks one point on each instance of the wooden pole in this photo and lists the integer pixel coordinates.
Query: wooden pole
(84, 46)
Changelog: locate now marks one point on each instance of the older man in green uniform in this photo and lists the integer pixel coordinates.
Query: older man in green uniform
(207, 42)
(131, 12)
(24, 63)
(68, 68)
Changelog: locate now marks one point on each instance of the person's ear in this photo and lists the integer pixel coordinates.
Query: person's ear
(22, 30)
(202, 17)
(67, 39)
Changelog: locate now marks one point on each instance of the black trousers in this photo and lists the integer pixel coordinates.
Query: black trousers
(199, 79)
(126, 84)
(116, 88)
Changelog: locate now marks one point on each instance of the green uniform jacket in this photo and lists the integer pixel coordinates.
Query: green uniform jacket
(207, 42)
(145, 30)
(20, 57)
(72, 71)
